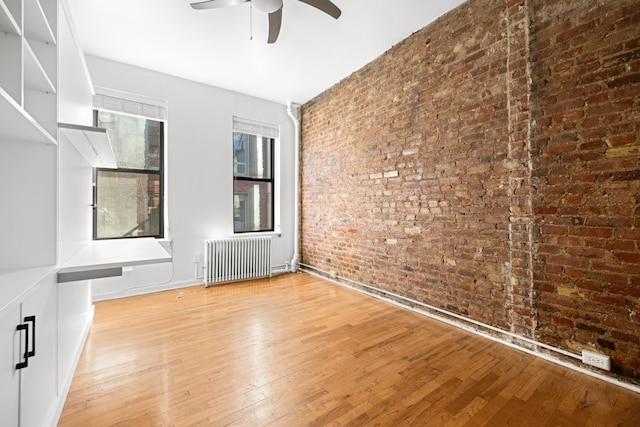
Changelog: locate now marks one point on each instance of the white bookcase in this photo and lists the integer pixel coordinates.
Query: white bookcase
(28, 132)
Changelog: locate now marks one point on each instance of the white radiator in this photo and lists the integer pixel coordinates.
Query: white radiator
(235, 259)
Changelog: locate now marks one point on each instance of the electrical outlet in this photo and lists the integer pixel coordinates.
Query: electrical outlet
(196, 257)
(333, 274)
(595, 359)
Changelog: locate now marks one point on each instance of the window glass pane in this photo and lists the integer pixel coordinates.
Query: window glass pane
(252, 206)
(251, 156)
(136, 141)
(128, 204)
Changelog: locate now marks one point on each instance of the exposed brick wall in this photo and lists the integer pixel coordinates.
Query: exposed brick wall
(488, 165)
(586, 67)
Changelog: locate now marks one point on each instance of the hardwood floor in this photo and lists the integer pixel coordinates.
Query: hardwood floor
(296, 350)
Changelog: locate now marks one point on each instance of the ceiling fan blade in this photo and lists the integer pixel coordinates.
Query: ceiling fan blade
(326, 6)
(275, 21)
(213, 4)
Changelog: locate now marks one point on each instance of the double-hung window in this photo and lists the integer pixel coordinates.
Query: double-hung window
(129, 200)
(253, 176)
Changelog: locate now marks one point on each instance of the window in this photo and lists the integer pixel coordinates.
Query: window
(253, 177)
(129, 199)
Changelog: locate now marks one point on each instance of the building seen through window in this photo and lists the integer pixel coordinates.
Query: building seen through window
(252, 183)
(129, 199)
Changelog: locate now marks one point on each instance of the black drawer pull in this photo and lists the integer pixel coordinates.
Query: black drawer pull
(24, 364)
(32, 319)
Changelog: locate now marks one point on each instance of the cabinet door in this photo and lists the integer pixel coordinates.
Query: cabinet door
(38, 381)
(9, 356)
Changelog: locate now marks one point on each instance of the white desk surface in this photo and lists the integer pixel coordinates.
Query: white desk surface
(98, 254)
(116, 253)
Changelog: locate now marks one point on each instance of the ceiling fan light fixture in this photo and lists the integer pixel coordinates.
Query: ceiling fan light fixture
(267, 6)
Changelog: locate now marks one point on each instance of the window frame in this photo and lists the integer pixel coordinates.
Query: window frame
(159, 173)
(245, 178)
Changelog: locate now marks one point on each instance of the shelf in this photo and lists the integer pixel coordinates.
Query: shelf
(8, 24)
(35, 76)
(20, 125)
(11, 71)
(36, 26)
(92, 142)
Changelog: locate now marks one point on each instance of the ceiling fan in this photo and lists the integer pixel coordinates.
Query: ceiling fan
(273, 8)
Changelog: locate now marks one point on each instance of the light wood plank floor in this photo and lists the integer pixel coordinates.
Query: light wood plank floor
(296, 350)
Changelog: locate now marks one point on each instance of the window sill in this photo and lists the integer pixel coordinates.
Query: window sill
(258, 234)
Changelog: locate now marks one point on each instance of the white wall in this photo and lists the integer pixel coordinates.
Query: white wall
(199, 170)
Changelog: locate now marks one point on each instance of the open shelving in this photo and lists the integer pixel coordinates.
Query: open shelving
(9, 11)
(23, 127)
(28, 76)
(37, 25)
(29, 131)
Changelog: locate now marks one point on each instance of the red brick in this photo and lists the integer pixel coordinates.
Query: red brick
(553, 229)
(628, 257)
(622, 336)
(591, 232)
(616, 141)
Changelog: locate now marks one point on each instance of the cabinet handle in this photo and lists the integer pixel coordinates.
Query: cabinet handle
(31, 319)
(24, 364)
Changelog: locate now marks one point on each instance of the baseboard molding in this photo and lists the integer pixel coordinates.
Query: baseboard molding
(131, 292)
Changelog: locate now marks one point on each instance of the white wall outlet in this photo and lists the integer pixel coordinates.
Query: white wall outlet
(333, 274)
(196, 257)
(596, 359)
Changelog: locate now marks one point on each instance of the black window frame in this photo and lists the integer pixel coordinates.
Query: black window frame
(159, 173)
(272, 143)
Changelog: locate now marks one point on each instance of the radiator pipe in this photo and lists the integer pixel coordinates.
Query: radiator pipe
(292, 110)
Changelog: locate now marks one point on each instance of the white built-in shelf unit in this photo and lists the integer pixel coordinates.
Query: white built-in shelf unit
(28, 76)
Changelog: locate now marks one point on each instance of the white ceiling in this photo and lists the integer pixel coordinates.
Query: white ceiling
(214, 46)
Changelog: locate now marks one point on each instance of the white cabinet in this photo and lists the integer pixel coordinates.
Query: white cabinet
(9, 353)
(38, 380)
(62, 315)
(28, 356)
